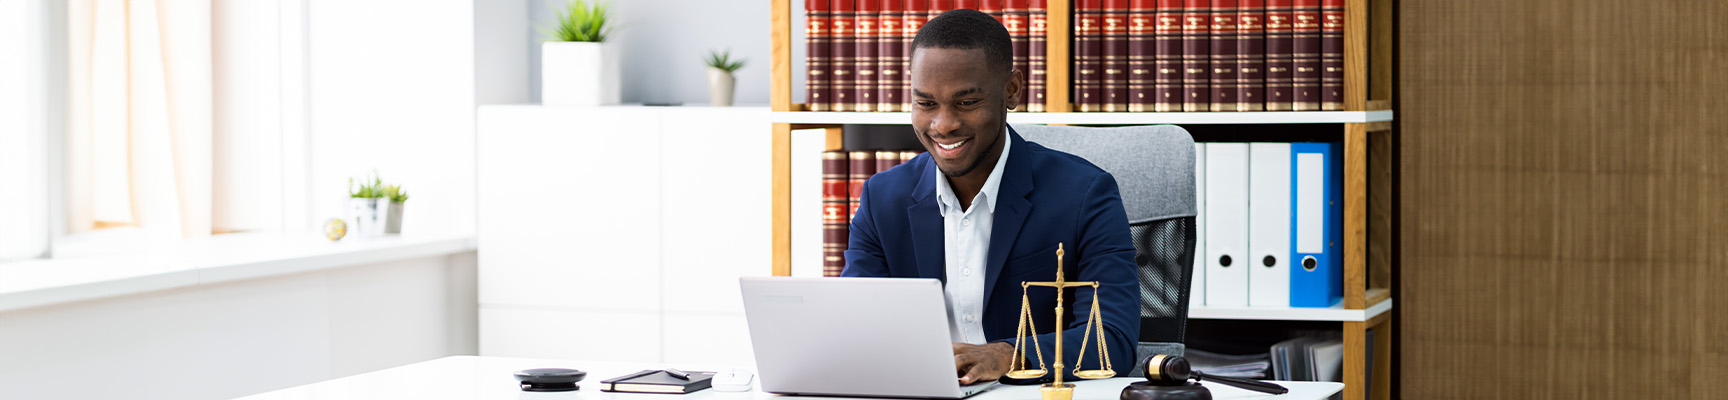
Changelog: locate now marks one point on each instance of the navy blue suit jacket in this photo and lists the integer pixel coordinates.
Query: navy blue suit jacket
(1046, 197)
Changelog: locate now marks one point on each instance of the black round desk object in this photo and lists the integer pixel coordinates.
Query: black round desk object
(1168, 378)
(1144, 390)
(550, 379)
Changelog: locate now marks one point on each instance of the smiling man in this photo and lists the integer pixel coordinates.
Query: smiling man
(984, 210)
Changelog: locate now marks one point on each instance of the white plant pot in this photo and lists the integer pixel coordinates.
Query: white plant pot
(720, 87)
(578, 73)
(367, 217)
(393, 224)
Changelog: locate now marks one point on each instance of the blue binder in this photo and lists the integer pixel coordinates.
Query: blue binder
(1317, 226)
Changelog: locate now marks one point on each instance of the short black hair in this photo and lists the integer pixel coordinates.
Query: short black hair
(968, 29)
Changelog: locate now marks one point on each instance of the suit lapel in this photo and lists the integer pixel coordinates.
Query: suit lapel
(928, 243)
(1011, 210)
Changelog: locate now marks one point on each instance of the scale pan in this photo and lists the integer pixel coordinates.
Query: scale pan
(1095, 374)
(1026, 373)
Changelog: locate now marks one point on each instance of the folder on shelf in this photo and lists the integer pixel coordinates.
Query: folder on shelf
(1268, 261)
(1317, 277)
(1226, 224)
(1197, 280)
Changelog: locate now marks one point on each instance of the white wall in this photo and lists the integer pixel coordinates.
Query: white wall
(664, 42)
(228, 340)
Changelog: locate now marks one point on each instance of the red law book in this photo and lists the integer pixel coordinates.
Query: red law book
(864, 97)
(1142, 48)
(964, 4)
(916, 14)
(1306, 58)
(906, 156)
(887, 159)
(1332, 55)
(842, 50)
(1167, 58)
(1280, 83)
(1038, 30)
(1088, 55)
(1251, 55)
(993, 8)
(1223, 55)
(860, 166)
(1196, 55)
(1113, 18)
(890, 56)
(834, 212)
(817, 40)
(1014, 18)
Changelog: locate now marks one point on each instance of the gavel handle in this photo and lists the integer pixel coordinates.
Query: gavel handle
(1250, 384)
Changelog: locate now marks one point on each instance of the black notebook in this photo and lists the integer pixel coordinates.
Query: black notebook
(657, 381)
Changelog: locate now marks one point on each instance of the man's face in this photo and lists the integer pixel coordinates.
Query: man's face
(959, 106)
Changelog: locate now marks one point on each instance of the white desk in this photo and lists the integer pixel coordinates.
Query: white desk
(469, 377)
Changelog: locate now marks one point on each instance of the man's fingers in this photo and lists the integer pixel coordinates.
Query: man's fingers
(973, 374)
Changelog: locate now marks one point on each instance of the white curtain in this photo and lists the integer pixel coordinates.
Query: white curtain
(138, 145)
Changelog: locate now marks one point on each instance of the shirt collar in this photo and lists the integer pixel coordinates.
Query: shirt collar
(986, 195)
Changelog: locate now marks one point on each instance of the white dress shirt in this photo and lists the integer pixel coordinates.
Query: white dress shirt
(966, 246)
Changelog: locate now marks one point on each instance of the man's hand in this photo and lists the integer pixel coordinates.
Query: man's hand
(980, 363)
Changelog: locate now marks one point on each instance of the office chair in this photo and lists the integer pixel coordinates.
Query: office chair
(1154, 170)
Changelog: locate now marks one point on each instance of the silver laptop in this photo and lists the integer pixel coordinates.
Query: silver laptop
(874, 337)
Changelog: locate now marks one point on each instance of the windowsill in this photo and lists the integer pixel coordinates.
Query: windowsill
(205, 261)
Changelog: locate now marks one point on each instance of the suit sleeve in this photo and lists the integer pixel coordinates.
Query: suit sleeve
(1106, 253)
(864, 257)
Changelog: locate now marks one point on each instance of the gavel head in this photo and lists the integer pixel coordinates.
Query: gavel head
(1167, 370)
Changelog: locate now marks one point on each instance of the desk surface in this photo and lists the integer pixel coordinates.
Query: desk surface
(469, 377)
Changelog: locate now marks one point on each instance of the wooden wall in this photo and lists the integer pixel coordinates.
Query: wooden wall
(1564, 199)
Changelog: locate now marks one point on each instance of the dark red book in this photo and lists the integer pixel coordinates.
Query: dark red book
(964, 4)
(1251, 55)
(915, 15)
(1223, 55)
(1197, 55)
(819, 89)
(1014, 18)
(860, 166)
(842, 50)
(1167, 57)
(834, 212)
(1305, 57)
(1038, 30)
(1332, 55)
(1088, 55)
(993, 8)
(1142, 52)
(906, 156)
(864, 98)
(1114, 20)
(1280, 30)
(890, 56)
(887, 159)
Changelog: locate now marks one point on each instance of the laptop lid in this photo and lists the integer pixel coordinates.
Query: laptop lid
(880, 337)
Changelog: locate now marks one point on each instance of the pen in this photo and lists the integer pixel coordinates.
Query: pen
(678, 374)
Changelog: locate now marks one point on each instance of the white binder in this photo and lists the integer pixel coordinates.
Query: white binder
(1226, 224)
(1197, 282)
(1268, 260)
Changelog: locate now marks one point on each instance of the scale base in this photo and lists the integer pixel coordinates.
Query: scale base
(1053, 391)
(1144, 390)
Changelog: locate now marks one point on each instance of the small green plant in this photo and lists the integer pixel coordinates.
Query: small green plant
(723, 61)
(372, 190)
(581, 21)
(396, 194)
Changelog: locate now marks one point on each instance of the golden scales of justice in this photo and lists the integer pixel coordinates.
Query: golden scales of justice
(1018, 369)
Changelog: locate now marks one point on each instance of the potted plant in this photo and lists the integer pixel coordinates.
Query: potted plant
(577, 66)
(720, 80)
(397, 196)
(367, 208)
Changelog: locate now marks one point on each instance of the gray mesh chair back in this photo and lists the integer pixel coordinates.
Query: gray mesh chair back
(1154, 169)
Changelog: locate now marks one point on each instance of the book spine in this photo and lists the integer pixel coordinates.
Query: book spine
(1088, 55)
(1280, 37)
(860, 166)
(1251, 55)
(886, 159)
(1306, 55)
(963, 4)
(992, 8)
(1038, 31)
(1113, 19)
(889, 56)
(834, 212)
(1332, 55)
(869, 13)
(1196, 55)
(1223, 55)
(841, 52)
(906, 156)
(819, 89)
(1167, 60)
(1142, 55)
(1014, 17)
(916, 14)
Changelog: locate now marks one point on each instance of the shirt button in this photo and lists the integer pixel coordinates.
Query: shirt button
(966, 271)
(968, 317)
(966, 221)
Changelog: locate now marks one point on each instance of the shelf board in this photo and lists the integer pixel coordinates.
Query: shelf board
(1140, 118)
(1334, 313)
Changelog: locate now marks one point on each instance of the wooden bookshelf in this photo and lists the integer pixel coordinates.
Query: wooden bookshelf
(1369, 150)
